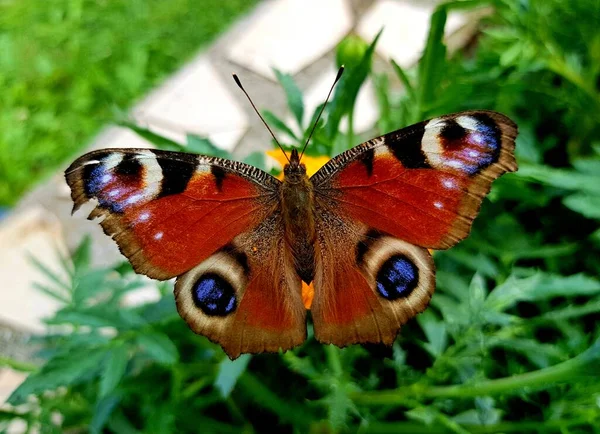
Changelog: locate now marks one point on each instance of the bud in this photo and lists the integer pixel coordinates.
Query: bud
(350, 51)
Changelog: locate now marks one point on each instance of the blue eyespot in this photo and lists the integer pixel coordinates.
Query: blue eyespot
(397, 278)
(214, 295)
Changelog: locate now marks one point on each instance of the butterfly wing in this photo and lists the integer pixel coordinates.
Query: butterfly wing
(423, 184)
(168, 211)
(367, 283)
(246, 296)
(214, 223)
(379, 207)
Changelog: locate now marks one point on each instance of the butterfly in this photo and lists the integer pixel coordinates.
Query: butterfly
(240, 242)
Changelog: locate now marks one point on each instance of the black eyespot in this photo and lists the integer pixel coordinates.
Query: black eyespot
(214, 295)
(451, 132)
(397, 278)
(129, 166)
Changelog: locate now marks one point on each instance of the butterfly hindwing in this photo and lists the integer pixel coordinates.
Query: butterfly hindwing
(423, 184)
(168, 211)
(367, 284)
(246, 296)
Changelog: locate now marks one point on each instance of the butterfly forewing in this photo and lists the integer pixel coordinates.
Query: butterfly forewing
(168, 211)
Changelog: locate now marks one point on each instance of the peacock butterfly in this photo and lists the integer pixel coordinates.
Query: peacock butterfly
(241, 242)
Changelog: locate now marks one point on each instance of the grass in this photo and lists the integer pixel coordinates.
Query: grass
(66, 66)
(511, 341)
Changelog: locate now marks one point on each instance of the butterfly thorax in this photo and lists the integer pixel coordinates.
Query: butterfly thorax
(297, 203)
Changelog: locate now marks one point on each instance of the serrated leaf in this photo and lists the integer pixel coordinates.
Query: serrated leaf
(338, 402)
(63, 370)
(159, 347)
(300, 365)
(114, 369)
(293, 95)
(229, 372)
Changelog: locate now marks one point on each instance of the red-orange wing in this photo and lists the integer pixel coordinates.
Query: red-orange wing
(169, 211)
(246, 296)
(423, 184)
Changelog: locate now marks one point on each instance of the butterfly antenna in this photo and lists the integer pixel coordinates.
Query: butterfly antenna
(239, 83)
(337, 78)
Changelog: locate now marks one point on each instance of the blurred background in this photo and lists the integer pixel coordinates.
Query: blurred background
(510, 342)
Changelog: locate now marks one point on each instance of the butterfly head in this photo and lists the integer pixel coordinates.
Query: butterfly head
(295, 171)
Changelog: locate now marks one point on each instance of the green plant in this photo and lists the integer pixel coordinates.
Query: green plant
(67, 65)
(511, 341)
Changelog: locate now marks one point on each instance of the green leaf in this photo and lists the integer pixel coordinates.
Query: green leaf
(479, 262)
(102, 412)
(256, 159)
(561, 178)
(159, 347)
(229, 372)
(49, 274)
(541, 286)
(584, 204)
(435, 331)
(432, 65)
(156, 139)
(339, 404)
(410, 91)
(81, 257)
(278, 124)
(114, 369)
(203, 146)
(300, 365)
(293, 95)
(63, 370)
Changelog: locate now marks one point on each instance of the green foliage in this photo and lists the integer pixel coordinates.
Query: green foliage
(511, 341)
(65, 65)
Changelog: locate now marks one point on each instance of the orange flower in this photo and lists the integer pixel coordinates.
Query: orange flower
(312, 163)
(308, 293)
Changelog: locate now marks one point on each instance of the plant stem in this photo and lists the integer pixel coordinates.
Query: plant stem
(333, 359)
(579, 366)
(415, 428)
